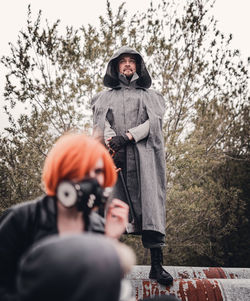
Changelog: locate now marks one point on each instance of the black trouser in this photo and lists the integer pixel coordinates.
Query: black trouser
(152, 239)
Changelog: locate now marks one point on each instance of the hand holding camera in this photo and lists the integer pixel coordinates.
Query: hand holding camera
(116, 218)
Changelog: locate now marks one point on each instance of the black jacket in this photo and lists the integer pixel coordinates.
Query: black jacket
(20, 227)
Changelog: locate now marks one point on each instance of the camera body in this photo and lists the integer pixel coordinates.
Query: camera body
(85, 194)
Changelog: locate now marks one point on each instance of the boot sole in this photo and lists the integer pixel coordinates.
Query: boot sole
(164, 282)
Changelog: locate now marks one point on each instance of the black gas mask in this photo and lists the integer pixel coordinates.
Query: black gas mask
(85, 195)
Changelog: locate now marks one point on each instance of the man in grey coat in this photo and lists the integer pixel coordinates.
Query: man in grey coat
(129, 118)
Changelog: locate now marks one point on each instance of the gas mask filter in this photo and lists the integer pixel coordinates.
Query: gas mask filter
(84, 195)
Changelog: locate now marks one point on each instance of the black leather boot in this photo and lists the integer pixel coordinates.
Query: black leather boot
(157, 272)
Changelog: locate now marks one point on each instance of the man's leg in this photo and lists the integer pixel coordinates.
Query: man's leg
(155, 241)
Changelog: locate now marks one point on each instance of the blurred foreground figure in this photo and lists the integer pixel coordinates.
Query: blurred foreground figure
(129, 118)
(76, 171)
(71, 268)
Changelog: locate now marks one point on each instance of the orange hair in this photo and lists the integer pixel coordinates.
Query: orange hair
(72, 156)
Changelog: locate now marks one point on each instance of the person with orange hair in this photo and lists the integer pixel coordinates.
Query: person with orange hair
(75, 173)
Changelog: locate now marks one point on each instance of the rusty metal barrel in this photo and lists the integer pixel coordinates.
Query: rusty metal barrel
(194, 283)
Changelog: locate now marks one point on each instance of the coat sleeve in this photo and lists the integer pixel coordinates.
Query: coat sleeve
(11, 248)
(140, 132)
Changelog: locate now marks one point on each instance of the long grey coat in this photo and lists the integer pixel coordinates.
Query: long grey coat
(128, 106)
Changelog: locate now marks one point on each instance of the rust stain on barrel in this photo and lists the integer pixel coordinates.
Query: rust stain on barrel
(213, 273)
(137, 293)
(233, 276)
(209, 273)
(188, 290)
(203, 290)
(184, 275)
(146, 289)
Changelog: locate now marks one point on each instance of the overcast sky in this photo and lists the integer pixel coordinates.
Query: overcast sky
(232, 15)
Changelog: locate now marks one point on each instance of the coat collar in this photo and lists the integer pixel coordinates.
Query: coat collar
(125, 83)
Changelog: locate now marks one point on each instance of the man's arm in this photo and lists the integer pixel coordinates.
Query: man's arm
(135, 134)
(139, 132)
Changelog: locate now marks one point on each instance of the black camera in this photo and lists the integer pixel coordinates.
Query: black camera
(84, 195)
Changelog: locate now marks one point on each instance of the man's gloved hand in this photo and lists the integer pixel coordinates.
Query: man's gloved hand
(118, 142)
(119, 159)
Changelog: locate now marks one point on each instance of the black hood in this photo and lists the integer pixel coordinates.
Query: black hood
(111, 76)
(70, 268)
